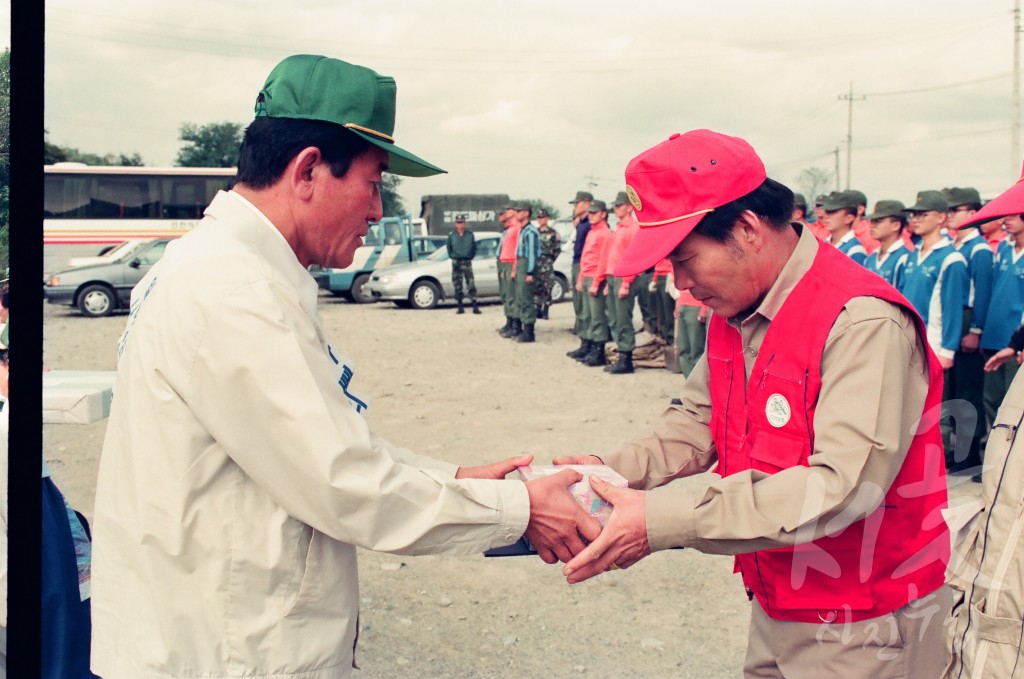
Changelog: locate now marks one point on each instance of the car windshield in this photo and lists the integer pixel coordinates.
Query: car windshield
(123, 248)
(439, 255)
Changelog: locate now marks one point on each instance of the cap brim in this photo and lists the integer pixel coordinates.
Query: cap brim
(652, 244)
(400, 161)
(1009, 202)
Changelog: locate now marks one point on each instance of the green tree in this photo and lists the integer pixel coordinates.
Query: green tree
(389, 198)
(213, 145)
(813, 181)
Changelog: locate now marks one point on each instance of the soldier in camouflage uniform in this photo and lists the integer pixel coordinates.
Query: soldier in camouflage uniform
(550, 247)
(461, 250)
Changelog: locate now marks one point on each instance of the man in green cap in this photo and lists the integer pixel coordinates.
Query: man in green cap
(526, 279)
(550, 248)
(239, 473)
(461, 251)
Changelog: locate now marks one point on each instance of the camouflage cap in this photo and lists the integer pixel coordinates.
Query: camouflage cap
(598, 206)
(522, 205)
(542, 213)
(582, 195)
(820, 200)
(799, 200)
(621, 199)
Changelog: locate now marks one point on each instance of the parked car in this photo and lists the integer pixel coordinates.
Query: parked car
(425, 245)
(110, 253)
(99, 289)
(425, 283)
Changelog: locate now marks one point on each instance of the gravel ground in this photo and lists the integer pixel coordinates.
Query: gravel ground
(448, 386)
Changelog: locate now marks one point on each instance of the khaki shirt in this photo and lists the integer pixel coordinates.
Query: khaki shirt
(874, 383)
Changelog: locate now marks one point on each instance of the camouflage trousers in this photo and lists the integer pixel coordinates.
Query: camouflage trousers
(463, 269)
(545, 275)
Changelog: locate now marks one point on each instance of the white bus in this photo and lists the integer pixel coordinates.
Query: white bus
(89, 208)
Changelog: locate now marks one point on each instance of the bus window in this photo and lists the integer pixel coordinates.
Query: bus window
(372, 235)
(125, 198)
(66, 197)
(393, 232)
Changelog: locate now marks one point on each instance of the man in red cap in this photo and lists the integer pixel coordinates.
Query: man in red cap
(826, 488)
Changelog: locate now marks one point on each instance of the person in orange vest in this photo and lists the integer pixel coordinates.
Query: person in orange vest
(862, 225)
(664, 305)
(507, 273)
(591, 283)
(691, 330)
(622, 290)
(828, 484)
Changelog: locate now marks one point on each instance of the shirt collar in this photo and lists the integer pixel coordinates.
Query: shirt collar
(272, 245)
(799, 263)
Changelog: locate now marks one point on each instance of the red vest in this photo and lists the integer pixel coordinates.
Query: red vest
(876, 564)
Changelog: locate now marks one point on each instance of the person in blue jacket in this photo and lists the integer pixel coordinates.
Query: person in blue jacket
(887, 224)
(1004, 313)
(968, 374)
(935, 281)
(840, 214)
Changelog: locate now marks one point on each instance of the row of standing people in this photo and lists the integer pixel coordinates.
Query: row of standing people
(604, 303)
(964, 277)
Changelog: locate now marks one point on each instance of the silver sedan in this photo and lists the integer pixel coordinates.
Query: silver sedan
(424, 283)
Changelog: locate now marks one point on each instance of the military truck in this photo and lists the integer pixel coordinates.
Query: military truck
(481, 210)
(392, 240)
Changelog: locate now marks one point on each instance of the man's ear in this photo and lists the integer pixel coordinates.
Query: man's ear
(301, 171)
(748, 230)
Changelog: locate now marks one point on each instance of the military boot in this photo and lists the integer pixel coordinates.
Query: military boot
(582, 351)
(476, 309)
(595, 356)
(505, 328)
(527, 334)
(623, 365)
(461, 309)
(513, 330)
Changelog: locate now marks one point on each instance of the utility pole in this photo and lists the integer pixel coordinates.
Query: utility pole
(1015, 123)
(837, 168)
(849, 129)
(590, 180)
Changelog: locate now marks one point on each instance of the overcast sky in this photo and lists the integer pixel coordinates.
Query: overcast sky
(539, 99)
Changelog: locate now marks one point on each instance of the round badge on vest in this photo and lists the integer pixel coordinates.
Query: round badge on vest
(777, 410)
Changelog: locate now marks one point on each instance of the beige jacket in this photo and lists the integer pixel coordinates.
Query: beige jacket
(238, 473)
(987, 568)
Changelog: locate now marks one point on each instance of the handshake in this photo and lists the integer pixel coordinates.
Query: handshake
(560, 529)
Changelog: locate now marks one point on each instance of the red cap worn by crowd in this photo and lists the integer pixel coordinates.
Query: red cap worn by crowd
(673, 185)
(1009, 202)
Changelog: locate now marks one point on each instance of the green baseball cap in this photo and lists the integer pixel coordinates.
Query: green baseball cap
(957, 196)
(597, 206)
(929, 200)
(858, 197)
(837, 200)
(888, 208)
(621, 199)
(799, 200)
(581, 195)
(312, 87)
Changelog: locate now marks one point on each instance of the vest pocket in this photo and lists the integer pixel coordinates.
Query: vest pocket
(771, 451)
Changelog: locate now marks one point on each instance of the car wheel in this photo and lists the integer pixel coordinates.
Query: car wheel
(357, 294)
(424, 295)
(558, 287)
(96, 301)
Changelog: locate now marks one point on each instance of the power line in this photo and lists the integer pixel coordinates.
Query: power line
(937, 87)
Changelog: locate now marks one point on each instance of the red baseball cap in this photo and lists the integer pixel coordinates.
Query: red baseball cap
(673, 185)
(1009, 202)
